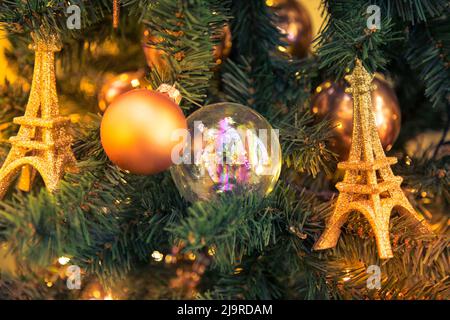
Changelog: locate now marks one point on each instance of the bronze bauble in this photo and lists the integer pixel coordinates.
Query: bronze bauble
(115, 85)
(332, 102)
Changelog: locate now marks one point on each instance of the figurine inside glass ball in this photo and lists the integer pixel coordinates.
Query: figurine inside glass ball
(230, 148)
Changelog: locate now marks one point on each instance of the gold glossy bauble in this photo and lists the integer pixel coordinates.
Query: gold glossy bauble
(231, 149)
(156, 57)
(115, 85)
(332, 102)
(137, 131)
(294, 22)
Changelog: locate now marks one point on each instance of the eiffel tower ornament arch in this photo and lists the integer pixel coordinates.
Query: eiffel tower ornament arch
(42, 142)
(369, 185)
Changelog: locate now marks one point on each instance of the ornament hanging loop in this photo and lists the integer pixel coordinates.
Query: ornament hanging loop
(171, 91)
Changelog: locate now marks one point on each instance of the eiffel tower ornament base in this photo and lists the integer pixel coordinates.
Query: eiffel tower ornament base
(42, 142)
(369, 185)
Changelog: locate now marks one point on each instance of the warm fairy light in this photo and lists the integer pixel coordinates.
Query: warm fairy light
(347, 275)
(423, 194)
(135, 83)
(339, 125)
(108, 297)
(170, 259)
(211, 251)
(238, 270)
(49, 284)
(319, 89)
(87, 86)
(269, 3)
(75, 117)
(408, 161)
(96, 294)
(102, 105)
(157, 256)
(63, 260)
(315, 109)
(191, 256)
(127, 200)
(282, 49)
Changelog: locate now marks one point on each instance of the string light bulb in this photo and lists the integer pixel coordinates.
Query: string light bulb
(63, 260)
(157, 256)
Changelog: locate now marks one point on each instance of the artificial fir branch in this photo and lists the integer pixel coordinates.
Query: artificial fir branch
(428, 177)
(345, 37)
(188, 31)
(428, 53)
(13, 99)
(93, 216)
(413, 11)
(418, 270)
(49, 17)
(271, 76)
(24, 288)
(233, 226)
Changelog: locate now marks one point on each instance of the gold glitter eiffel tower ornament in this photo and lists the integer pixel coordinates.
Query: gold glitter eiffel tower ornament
(369, 186)
(42, 143)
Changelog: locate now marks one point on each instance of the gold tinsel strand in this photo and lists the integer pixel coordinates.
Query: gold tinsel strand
(362, 189)
(116, 13)
(42, 143)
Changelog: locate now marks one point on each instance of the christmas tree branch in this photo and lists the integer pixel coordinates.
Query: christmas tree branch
(186, 32)
(346, 37)
(43, 17)
(413, 11)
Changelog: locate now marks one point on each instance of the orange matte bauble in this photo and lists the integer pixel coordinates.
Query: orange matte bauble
(136, 131)
(331, 102)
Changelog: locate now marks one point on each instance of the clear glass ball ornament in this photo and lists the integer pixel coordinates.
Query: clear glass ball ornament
(228, 148)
